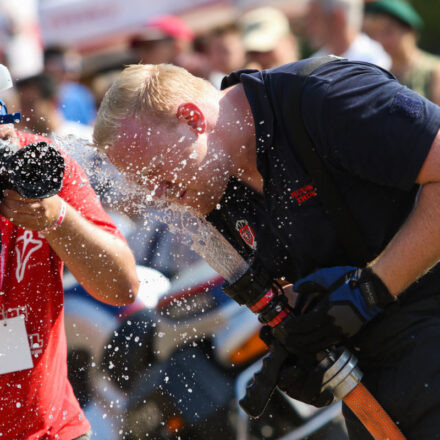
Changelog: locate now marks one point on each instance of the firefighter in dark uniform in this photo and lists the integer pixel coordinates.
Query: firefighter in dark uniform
(381, 144)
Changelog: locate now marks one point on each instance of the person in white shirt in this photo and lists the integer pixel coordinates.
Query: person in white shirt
(334, 27)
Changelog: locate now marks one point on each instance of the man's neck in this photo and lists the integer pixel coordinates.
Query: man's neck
(341, 41)
(239, 137)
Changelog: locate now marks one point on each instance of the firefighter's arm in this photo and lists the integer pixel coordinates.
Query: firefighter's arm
(416, 247)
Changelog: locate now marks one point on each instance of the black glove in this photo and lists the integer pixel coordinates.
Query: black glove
(333, 305)
(260, 388)
(300, 377)
(302, 381)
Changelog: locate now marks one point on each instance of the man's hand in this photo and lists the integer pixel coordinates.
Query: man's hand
(300, 377)
(8, 133)
(333, 305)
(302, 381)
(33, 214)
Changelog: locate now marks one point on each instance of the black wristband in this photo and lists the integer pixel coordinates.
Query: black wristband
(373, 289)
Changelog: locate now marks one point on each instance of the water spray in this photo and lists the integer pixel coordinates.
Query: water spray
(249, 284)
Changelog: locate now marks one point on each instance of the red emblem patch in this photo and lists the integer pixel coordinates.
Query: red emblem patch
(246, 233)
(305, 193)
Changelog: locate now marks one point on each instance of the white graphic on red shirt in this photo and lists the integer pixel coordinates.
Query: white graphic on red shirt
(35, 344)
(246, 233)
(29, 246)
(13, 312)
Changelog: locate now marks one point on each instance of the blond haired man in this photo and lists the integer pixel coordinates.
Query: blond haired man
(232, 155)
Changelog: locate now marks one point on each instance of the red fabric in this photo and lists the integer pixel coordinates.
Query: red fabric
(166, 26)
(172, 26)
(39, 403)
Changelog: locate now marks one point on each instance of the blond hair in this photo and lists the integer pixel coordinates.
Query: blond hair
(146, 90)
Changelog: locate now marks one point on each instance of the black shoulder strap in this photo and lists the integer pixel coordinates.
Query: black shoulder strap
(346, 227)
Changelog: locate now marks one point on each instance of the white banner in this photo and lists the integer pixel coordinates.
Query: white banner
(73, 22)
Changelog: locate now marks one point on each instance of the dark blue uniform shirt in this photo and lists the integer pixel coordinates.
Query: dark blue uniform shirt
(372, 133)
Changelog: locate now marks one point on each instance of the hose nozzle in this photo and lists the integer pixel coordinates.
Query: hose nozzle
(342, 374)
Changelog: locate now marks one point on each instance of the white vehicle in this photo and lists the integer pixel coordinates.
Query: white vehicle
(176, 370)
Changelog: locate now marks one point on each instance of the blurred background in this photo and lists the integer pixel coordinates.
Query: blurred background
(101, 30)
(81, 45)
(173, 365)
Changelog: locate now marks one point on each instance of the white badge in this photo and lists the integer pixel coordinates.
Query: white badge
(15, 354)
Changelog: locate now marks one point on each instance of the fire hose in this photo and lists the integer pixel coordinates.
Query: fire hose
(251, 285)
(342, 377)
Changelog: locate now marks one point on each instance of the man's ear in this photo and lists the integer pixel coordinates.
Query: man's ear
(193, 116)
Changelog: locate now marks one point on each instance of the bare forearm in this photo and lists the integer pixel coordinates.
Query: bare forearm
(416, 247)
(101, 262)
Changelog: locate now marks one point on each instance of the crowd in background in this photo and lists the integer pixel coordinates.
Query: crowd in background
(63, 98)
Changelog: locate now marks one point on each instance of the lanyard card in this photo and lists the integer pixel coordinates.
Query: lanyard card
(15, 354)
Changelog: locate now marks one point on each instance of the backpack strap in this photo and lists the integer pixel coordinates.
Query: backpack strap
(347, 229)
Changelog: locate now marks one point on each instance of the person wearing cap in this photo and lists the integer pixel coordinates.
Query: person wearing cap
(163, 39)
(267, 38)
(396, 24)
(334, 27)
(39, 236)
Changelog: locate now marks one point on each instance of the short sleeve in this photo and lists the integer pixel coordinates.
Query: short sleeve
(374, 127)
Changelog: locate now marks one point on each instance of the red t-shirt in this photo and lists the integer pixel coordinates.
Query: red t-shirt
(39, 403)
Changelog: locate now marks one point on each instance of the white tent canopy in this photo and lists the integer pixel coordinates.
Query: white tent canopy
(78, 22)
